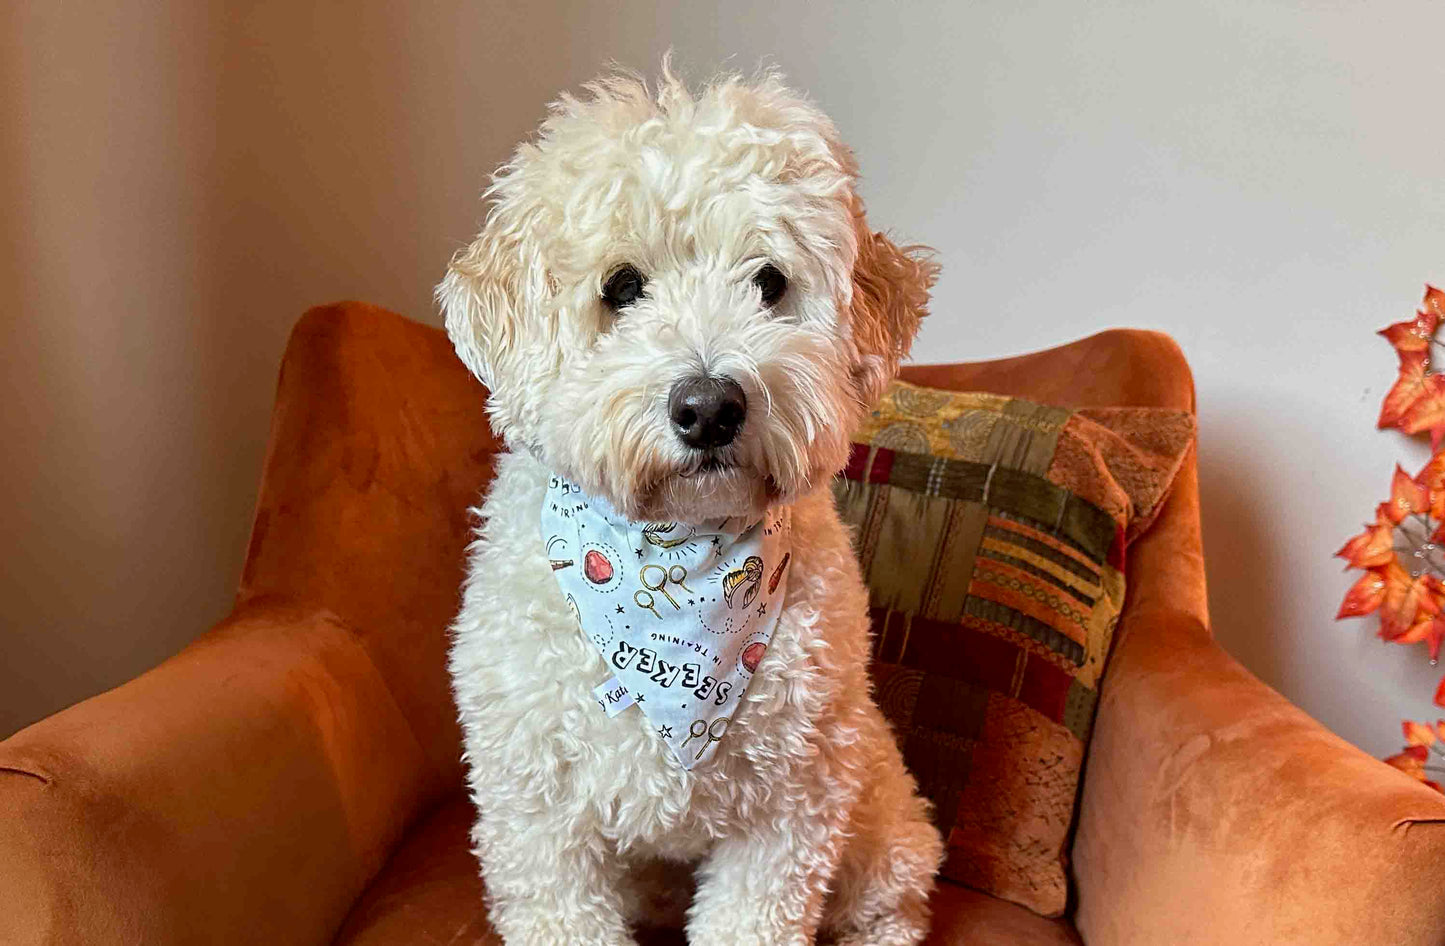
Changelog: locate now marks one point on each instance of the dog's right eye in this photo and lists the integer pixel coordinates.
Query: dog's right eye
(623, 288)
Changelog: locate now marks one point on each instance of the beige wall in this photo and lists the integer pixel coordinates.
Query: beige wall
(180, 180)
(1263, 180)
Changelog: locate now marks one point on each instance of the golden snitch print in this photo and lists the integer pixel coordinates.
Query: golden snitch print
(667, 535)
(749, 578)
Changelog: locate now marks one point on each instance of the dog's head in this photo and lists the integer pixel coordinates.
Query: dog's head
(676, 300)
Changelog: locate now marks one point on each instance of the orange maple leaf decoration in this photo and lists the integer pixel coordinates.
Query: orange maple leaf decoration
(1416, 402)
(1421, 741)
(1402, 554)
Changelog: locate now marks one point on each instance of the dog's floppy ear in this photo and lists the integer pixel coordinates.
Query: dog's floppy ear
(486, 291)
(478, 297)
(890, 297)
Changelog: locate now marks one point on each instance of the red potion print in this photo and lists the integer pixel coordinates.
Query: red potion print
(753, 655)
(596, 567)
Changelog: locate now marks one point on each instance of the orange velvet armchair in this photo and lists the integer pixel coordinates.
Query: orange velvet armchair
(293, 776)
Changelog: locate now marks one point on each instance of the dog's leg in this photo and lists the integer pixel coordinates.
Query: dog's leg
(549, 884)
(763, 890)
(764, 885)
(880, 894)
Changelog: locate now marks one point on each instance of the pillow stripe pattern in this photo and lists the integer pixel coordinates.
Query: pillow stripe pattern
(991, 532)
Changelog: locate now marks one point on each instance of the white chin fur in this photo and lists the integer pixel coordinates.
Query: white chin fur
(700, 496)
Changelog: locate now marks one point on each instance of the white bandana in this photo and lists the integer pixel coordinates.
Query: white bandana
(680, 614)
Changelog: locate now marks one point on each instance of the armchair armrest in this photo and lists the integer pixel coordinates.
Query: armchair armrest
(242, 792)
(1214, 811)
(247, 789)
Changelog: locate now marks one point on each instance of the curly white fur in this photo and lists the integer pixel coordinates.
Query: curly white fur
(806, 819)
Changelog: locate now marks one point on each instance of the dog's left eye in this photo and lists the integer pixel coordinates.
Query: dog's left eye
(623, 287)
(771, 283)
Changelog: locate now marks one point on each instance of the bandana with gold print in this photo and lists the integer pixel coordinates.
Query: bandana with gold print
(681, 614)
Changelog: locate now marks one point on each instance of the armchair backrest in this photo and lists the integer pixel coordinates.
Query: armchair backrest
(380, 444)
(379, 447)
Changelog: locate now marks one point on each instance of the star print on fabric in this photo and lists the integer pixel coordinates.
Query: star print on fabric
(619, 609)
(665, 732)
(641, 697)
(763, 608)
(639, 552)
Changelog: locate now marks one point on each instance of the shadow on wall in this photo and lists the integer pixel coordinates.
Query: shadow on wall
(107, 551)
(1242, 557)
(218, 168)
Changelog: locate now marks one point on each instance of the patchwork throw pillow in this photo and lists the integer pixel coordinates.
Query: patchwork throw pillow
(991, 532)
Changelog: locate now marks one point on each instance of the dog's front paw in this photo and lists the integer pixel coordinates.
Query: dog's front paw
(746, 931)
(526, 927)
(561, 914)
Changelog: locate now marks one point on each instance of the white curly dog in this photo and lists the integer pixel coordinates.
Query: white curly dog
(678, 306)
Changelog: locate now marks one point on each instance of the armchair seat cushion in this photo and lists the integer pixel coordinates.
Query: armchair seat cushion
(430, 892)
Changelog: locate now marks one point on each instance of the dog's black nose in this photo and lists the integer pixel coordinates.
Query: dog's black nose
(707, 412)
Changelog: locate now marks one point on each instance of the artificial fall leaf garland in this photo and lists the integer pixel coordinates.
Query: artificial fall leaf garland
(1416, 403)
(1403, 557)
(1421, 742)
(1402, 553)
